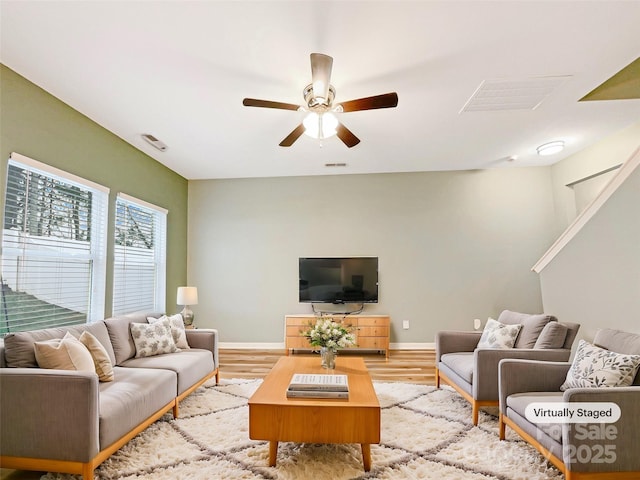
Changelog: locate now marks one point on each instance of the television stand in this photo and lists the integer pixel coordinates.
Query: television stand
(371, 331)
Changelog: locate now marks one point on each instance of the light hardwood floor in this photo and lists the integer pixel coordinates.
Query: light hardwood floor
(413, 366)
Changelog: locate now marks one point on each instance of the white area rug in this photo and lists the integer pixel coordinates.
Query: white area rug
(426, 434)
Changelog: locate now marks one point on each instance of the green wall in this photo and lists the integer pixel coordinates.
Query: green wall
(38, 125)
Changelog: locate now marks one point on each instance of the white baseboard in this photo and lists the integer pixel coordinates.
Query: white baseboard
(280, 346)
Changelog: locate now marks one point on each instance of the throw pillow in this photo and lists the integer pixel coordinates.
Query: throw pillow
(597, 367)
(497, 335)
(153, 339)
(553, 335)
(100, 357)
(532, 325)
(66, 353)
(177, 329)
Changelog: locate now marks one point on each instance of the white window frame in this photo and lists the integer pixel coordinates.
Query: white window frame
(126, 294)
(20, 245)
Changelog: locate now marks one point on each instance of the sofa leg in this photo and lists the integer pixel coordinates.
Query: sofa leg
(474, 412)
(437, 378)
(87, 471)
(176, 409)
(501, 428)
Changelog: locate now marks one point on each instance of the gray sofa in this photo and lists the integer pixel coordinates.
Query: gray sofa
(589, 450)
(473, 372)
(68, 421)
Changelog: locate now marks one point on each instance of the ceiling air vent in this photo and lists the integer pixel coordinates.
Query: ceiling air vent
(338, 164)
(159, 144)
(512, 94)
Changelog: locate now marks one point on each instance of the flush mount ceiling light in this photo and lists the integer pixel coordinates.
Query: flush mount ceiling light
(550, 148)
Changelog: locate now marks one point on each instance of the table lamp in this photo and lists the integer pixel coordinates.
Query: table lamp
(187, 296)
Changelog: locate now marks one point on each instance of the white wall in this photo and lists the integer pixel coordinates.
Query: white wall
(595, 279)
(452, 246)
(606, 154)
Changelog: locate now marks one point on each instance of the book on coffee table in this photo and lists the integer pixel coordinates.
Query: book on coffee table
(306, 385)
(316, 394)
(319, 382)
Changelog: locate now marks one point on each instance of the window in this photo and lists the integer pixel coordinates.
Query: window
(139, 269)
(53, 248)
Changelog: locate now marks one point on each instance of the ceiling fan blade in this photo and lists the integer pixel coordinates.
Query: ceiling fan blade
(254, 102)
(293, 136)
(387, 100)
(348, 138)
(321, 75)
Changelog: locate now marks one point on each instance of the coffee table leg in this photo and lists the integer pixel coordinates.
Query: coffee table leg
(366, 456)
(273, 452)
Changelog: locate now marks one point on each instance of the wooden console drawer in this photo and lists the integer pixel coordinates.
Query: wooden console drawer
(376, 343)
(373, 321)
(372, 332)
(296, 330)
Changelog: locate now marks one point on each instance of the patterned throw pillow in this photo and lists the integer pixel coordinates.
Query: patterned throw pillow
(597, 367)
(153, 339)
(497, 335)
(177, 329)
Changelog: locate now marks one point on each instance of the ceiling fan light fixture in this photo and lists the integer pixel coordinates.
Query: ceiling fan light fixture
(321, 66)
(320, 125)
(322, 101)
(550, 148)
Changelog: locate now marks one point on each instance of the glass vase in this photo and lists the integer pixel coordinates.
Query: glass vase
(328, 357)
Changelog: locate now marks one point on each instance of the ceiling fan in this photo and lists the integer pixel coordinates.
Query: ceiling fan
(320, 121)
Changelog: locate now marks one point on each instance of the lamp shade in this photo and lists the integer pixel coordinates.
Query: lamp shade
(187, 296)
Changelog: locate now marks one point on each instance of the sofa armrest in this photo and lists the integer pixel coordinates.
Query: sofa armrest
(449, 341)
(49, 414)
(205, 338)
(519, 376)
(596, 447)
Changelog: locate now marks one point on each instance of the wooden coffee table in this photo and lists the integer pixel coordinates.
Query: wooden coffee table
(276, 418)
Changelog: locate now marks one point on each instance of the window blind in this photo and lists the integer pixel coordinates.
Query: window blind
(139, 270)
(53, 248)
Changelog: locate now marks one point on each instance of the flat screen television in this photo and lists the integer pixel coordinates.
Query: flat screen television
(338, 280)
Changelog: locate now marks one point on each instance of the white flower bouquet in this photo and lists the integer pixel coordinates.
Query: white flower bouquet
(330, 334)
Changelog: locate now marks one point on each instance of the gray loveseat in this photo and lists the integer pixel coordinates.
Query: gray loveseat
(68, 421)
(473, 371)
(589, 450)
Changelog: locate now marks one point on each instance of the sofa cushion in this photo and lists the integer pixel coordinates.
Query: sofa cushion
(518, 402)
(532, 326)
(593, 366)
(553, 335)
(134, 396)
(619, 341)
(498, 335)
(19, 351)
(101, 360)
(120, 334)
(190, 365)
(66, 353)
(153, 339)
(177, 329)
(461, 363)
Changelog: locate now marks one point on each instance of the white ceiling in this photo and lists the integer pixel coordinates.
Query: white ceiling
(180, 69)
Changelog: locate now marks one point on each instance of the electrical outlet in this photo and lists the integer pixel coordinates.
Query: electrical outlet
(405, 324)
